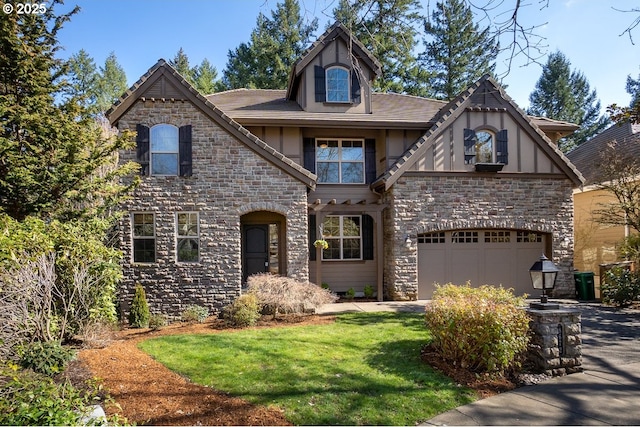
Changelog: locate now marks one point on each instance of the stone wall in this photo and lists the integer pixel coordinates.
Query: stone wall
(420, 203)
(229, 180)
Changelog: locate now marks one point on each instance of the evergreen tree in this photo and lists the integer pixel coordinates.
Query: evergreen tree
(181, 63)
(265, 61)
(388, 29)
(83, 78)
(633, 89)
(50, 147)
(562, 94)
(111, 83)
(205, 77)
(458, 51)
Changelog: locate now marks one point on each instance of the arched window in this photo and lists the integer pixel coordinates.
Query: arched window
(164, 150)
(484, 147)
(337, 84)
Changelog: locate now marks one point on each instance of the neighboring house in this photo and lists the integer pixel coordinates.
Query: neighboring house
(597, 243)
(407, 191)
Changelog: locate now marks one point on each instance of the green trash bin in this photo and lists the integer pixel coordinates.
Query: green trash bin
(585, 286)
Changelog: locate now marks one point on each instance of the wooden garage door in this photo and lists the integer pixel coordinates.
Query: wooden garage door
(493, 257)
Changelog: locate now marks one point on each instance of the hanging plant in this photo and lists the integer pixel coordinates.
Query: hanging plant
(321, 243)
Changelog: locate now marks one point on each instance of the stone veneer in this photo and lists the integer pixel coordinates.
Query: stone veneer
(229, 180)
(420, 203)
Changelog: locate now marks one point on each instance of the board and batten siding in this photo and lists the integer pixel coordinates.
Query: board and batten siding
(447, 152)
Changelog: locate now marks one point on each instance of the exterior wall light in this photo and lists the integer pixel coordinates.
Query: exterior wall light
(543, 277)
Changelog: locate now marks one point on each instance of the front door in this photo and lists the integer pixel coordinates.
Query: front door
(255, 245)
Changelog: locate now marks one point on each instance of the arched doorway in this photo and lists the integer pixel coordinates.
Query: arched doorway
(263, 243)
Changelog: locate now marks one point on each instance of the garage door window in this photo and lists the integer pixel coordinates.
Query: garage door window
(464, 237)
(528, 237)
(497, 236)
(432, 238)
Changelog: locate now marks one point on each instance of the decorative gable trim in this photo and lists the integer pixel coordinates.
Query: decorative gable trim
(163, 79)
(486, 89)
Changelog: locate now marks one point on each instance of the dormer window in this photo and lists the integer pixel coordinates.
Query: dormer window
(337, 83)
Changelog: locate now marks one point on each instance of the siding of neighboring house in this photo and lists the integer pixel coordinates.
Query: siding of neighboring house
(229, 180)
(596, 243)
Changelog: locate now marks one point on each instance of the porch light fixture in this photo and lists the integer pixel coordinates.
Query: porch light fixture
(407, 240)
(543, 276)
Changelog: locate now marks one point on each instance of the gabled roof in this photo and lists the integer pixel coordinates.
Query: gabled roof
(263, 107)
(588, 155)
(336, 31)
(486, 93)
(162, 81)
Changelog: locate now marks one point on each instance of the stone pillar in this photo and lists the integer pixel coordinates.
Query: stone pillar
(555, 345)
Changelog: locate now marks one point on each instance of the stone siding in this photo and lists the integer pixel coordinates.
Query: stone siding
(229, 180)
(420, 203)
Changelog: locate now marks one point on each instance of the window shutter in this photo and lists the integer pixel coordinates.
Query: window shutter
(370, 160)
(367, 237)
(312, 237)
(469, 146)
(502, 147)
(321, 91)
(309, 154)
(355, 87)
(142, 148)
(185, 150)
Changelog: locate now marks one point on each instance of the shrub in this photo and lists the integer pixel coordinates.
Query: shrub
(195, 314)
(48, 357)
(29, 398)
(630, 248)
(620, 287)
(350, 294)
(482, 329)
(288, 295)
(368, 291)
(139, 314)
(157, 321)
(244, 311)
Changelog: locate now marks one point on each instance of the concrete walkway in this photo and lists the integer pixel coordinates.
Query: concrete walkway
(606, 393)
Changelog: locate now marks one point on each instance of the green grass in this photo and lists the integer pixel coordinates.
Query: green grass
(364, 369)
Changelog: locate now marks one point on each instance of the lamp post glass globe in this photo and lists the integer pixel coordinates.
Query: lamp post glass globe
(543, 276)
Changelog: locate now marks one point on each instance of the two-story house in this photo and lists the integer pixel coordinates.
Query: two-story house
(406, 191)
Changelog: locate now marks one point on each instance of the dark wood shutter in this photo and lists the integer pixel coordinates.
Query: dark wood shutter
(469, 147)
(312, 237)
(309, 154)
(184, 135)
(320, 88)
(142, 148)
(355, 87)
(367, 237)
(370, 160)
(502, 147)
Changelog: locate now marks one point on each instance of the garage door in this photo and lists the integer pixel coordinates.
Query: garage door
(493, 257)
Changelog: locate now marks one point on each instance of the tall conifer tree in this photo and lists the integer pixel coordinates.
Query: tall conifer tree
(458, 52)
(50, 147)
(265, 61)
(111, 82)
(388, 28)
(562, 94)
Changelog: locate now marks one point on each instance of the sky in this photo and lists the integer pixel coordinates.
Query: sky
(140, 32)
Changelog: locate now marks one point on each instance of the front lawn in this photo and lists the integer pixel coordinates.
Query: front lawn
(364, 369)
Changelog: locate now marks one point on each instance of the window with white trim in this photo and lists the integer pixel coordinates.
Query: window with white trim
(144, 237)
(340, 161)
(344, 236)
(164, 141)
(337, 84)
(188, 237)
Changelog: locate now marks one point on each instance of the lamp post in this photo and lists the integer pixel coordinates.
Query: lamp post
(543, 276)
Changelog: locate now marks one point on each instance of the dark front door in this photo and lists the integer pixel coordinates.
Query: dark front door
(255, 243)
